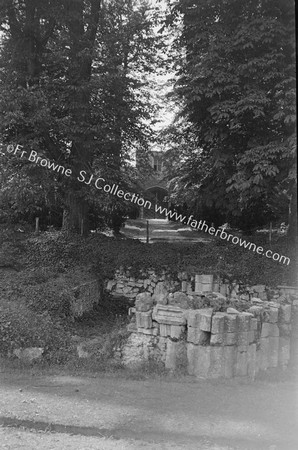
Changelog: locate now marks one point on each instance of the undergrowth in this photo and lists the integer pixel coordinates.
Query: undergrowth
(37, 270)
(104, 255)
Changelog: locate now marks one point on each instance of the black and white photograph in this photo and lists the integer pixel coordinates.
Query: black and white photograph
(148, 225)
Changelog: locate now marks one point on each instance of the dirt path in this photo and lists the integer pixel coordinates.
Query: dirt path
(64, 412)
(163, 231)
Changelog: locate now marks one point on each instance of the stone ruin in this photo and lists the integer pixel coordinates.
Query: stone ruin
(170, 326)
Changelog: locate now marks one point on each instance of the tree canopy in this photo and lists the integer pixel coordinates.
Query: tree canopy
(73, 88)
(78, 86)
(237, 84)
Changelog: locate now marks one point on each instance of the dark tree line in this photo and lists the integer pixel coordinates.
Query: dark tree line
(71, 90)
(75, 87)
(235, 141)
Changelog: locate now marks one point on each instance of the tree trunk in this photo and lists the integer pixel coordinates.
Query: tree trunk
(75, 214)
(82, 39)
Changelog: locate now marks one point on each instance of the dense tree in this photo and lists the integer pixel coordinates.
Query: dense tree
(48, 52)
(27, 28)
(72, 90)
(236, 81)
(126, 56)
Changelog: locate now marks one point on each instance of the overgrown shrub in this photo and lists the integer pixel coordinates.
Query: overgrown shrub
(51, 297)
(105, 255)
(20, 327)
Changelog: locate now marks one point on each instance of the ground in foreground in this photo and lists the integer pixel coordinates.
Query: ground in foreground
(65, 412)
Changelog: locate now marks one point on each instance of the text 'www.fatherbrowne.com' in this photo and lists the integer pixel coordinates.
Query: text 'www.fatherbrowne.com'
(201, 225)
(100, 184)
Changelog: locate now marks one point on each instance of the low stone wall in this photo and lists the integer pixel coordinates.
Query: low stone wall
(124, 284)
(168, 326)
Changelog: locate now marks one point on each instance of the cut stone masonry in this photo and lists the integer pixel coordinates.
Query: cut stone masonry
(167, 326)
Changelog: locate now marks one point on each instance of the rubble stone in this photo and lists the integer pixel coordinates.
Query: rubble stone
(252, 337)
(264, 353)
(259, 288)
(257, 301)
(231, 323)
(218, 323)
(217, 367)
(176, 331)
(136, 350)
(285, 329)
(254, 324)
(256, 310)
(161, 299)
(243, 321)
(241, 367)
(144, 319)
(269, 329)
(197, 336)
(285, 314)
(144, 302)
(270, 315)
(200, 318)
(132, 327)
(232, 311)
(230, 339)
(229, 356)
(284, 352)
(179, 299)
(28, 354)
(218, 344)
(171, 355)
(201, 359)
(164, 330)
(273, 351)
(168, 314)
(110, 285)
(252, 361)
(148, 331)
(217, 339)
(243, 338)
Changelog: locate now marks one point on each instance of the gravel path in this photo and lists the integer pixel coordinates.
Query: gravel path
(64, 412)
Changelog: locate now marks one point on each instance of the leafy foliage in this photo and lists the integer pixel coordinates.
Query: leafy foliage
(237, 86)
(19, 327)
(72, 90)
(34, 311)
(105, 255)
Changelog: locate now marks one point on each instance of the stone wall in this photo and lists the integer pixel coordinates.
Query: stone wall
(169, 325)
(123, 284)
